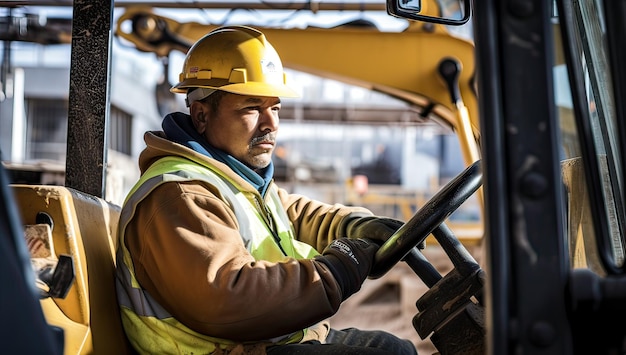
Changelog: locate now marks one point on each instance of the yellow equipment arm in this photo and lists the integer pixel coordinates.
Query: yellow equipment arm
(401, 64)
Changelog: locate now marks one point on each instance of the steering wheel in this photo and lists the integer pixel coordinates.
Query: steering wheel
(428, 218)
(446, 312)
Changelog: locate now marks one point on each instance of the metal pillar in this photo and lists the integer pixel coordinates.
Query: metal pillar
(89, 96)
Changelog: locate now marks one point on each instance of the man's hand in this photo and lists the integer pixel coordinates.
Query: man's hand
(378, 229)
(350, 261)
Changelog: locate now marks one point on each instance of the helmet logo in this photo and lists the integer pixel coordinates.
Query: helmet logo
(268, 66)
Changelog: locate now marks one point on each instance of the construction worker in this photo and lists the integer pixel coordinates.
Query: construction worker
(213, 257)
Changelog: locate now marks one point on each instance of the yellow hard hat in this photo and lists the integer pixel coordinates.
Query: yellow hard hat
(236, 59)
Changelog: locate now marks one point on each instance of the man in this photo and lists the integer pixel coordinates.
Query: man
(213, 257)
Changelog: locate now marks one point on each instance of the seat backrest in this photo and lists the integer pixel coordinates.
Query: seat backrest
(85, 228)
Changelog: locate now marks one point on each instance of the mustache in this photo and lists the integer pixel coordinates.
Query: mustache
(268, 137)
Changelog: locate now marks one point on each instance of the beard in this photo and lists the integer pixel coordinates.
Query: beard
(260, 158)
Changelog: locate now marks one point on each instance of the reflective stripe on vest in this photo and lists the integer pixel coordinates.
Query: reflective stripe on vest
(153, 327)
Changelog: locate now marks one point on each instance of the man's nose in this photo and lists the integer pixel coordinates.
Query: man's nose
(269, 120)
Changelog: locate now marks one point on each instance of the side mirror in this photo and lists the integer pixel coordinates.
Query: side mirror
(455, 13)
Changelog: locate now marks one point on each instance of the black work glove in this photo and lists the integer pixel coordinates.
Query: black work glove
(350, 261)
(378, 229)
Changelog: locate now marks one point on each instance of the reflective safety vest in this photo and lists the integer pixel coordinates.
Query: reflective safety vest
(149, 326)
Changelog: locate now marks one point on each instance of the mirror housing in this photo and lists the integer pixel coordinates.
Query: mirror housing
(411, 10)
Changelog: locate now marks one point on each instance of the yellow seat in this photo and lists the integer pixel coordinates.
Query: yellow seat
(85, 228)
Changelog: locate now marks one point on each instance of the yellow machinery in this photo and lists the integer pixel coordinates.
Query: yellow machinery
(424, 65)
(404, 64)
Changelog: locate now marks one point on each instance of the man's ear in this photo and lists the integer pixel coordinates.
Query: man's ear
(198, 116)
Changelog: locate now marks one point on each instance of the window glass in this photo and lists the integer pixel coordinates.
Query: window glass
(46, 129)
(600, 158)
(120, 128)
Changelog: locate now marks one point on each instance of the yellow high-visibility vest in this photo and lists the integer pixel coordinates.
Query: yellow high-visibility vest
(151, 328)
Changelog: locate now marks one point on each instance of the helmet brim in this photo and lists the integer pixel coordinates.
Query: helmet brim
(249, 88)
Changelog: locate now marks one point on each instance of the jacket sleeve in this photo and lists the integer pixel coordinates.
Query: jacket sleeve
(317, 223)
(188, 255)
